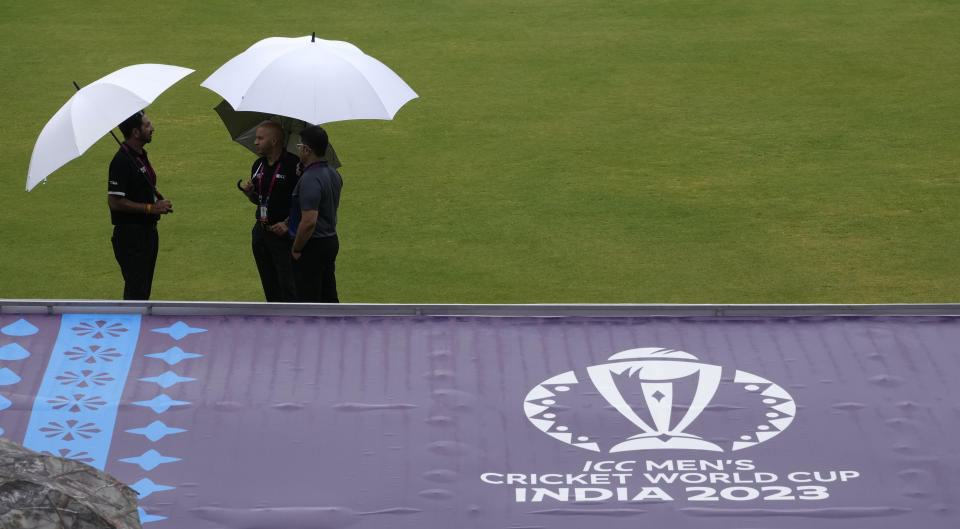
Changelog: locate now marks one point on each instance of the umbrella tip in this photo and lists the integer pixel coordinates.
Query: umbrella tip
(313, 38)
(76, 85)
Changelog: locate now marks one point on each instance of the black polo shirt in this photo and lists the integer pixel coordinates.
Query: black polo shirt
(278, 198)
(132, 177)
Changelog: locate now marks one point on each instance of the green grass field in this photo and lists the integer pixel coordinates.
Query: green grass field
(669, 151)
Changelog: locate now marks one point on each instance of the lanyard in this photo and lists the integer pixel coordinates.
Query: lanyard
(273, 180)
(145, 168)
(307, 168)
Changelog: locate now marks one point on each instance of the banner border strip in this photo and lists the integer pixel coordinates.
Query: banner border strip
(187, 308)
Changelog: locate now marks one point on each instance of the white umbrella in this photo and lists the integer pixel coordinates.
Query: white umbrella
(94, 110)
(315, 80)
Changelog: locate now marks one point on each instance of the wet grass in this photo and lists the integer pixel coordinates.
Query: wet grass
(623, 151)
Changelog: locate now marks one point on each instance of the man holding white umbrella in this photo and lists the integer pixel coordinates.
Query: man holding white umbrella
(135, 208)
(135, 204)
(314, 81)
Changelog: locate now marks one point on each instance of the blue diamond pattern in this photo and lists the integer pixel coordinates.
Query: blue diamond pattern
(179, 330)
(8, 377)
(150, 459)
(173, 355)
(167, 379)
(147, 518)
(161, 403)
(156, 431)
(13, 351)
(4, 402)
(20, 327)
(146, 487)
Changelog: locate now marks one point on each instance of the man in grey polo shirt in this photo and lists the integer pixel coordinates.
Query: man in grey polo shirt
(313, 221)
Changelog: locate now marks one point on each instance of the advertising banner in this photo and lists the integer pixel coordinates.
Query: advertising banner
(255, 422)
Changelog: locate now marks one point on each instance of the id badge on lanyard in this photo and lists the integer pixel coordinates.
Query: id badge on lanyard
(264, 200)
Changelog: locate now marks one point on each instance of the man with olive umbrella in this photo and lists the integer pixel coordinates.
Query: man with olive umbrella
(272, 178)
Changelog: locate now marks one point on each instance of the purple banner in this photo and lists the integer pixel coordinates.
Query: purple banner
(247, 422)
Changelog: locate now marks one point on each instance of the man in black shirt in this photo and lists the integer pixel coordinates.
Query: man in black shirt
(272, 178)
(135, 208)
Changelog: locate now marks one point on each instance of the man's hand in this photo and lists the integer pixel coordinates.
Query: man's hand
(247, 189)
(161, 207)
(296, 255)
(279, 228)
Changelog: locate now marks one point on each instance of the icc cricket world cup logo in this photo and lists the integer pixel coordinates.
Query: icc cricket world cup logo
(668, 391)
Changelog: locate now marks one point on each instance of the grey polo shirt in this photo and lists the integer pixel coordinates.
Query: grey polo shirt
(318, 189)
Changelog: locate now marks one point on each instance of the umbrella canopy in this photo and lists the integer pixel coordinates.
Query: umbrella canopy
(94, 110)
(314, 80)
(242, 127)
(45, 492)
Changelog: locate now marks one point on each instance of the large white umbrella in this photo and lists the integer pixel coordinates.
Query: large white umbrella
(315, 80)
(94, 110)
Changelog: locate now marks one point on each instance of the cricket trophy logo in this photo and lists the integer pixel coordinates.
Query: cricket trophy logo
(668, 391)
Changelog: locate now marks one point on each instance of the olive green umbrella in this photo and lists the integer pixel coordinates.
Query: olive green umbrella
(242, 126)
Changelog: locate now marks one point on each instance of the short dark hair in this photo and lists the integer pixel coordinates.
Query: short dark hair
(133, 122)
(316, 138)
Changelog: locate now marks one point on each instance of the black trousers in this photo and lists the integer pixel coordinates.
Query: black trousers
(272, 254)
(314, 271)
(135, 246)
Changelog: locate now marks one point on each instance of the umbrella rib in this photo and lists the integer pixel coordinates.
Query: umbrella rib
(367, 79)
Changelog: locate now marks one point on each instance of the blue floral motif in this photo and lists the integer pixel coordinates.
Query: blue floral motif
(79, 455)
(93, 354)
(76, 403)
(79, 395)
(100, 329)
(70, 430)
(84, 378)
